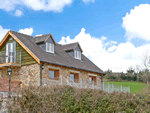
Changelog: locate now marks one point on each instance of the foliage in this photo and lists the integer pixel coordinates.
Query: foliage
(71, 100)
(131, 75)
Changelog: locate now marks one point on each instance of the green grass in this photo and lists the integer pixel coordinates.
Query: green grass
(134, 86)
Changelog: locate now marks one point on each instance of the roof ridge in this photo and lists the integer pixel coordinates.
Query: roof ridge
(71, 43)
(21, 33)
(41, 35)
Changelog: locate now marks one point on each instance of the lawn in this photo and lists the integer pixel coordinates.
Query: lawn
(134, 86)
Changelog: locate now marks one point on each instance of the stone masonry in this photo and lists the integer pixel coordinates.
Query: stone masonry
(28, 74)
(64, 72)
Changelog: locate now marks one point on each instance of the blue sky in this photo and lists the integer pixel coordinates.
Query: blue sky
(77, 20)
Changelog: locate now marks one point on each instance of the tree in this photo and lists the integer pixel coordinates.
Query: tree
(130, 71)
(146, 64)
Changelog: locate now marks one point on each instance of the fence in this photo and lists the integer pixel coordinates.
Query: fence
(79, 83)
(111, 87)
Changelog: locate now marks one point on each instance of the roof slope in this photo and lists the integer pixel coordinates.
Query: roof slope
(60, 57)
(41, 38)
(71, 46)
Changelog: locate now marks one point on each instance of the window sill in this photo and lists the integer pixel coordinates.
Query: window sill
(54, 78)
(50, 52)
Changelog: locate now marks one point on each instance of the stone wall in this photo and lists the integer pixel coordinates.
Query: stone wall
(28, 74)
(66, 72)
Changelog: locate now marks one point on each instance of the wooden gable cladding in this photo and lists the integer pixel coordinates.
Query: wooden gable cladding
(26, 53)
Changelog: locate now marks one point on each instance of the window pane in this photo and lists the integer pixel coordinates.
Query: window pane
(90, 80)
(50, 45)
(52, 48)
(76, 54)
(47, 48)
(51, 74)
(72, 77)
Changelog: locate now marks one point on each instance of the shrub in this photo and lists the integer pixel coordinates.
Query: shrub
(71, 100)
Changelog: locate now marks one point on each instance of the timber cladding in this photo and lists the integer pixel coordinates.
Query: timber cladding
(26, 59)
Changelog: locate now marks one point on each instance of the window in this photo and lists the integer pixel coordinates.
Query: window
(53, 74)
(10, 52)
(74, 77)
(77, 54)
(90, 80)
(93, 79)
(50, 47)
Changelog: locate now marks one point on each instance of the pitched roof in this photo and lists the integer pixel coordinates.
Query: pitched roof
(41, 38)
(60, 57)
(71, 46)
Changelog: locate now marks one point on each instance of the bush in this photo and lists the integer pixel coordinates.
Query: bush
(71, 100)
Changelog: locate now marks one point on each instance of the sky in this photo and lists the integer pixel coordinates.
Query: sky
(113, 34)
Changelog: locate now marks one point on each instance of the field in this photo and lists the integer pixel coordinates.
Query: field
(134, 86)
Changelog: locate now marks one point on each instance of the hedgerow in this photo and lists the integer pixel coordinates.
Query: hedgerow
(60, 99)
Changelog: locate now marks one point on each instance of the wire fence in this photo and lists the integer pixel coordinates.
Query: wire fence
(80, 83)
(111, 87)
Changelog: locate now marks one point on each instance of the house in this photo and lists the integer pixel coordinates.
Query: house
(39, 58)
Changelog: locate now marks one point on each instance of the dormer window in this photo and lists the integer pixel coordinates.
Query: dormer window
(77, 54)
(49, 47)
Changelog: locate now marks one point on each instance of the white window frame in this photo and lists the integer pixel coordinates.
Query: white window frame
(90, 80)
(12, 49)
(77, 54)
(53, 75)
(72, 75)
(50, 46)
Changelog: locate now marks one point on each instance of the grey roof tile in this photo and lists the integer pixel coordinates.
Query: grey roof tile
(41, 38)
(60, 57)
(71, 46)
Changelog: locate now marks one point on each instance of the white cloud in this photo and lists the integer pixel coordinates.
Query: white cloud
(112, 48)
(137, 22)
(86, 1)
(9, 5)
(45, 5)
(39, 35)
(18, 13)
(117, 57)
(3, 32)
(27, 31)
